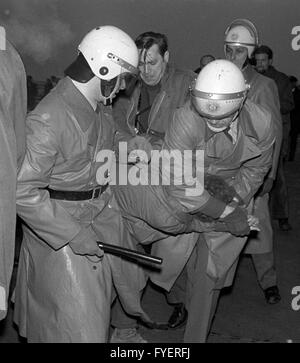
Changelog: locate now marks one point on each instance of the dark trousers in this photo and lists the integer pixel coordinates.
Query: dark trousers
(279, 207)
(201, 296)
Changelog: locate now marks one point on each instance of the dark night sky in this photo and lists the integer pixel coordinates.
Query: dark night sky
(47, 32)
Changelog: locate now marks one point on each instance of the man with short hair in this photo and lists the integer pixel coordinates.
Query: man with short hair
(204, 60)
(279, 194)
(160, 89)
(147, 109)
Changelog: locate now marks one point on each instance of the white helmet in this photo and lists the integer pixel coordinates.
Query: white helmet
(109, 51)
(242, 33)
(220, 90)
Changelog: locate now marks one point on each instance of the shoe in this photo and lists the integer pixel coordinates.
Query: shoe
(128, 335)
(272, 295)
(178, 317)
(284, 224)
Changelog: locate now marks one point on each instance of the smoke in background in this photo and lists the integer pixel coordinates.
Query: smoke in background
(34, 27)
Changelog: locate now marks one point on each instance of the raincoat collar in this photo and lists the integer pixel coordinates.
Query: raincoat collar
(73, 97)
(249, 73)
(208, 132)
(243, 121)
(247, 125)
(245, 128)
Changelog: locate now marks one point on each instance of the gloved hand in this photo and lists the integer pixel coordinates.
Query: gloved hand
(85, 243)
(141, 146)
(266, 187)
(237, 222)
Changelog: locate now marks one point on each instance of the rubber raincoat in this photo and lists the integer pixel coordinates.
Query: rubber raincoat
(263, 91)
(242, 165)
(13, 101)
(61, 296)
(211, 257)
(152, 212)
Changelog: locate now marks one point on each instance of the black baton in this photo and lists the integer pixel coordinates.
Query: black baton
(126, 252)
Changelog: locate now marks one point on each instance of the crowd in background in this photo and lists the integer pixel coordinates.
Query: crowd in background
(36, 90)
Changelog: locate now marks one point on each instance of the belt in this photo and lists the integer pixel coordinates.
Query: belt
(77, 195)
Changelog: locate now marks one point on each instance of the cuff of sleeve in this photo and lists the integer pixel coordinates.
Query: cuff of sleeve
(212, 208)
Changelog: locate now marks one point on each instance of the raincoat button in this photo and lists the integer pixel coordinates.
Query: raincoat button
(94, 267)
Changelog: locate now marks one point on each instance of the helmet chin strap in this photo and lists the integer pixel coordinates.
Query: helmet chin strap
(108, 89)
(220, 129)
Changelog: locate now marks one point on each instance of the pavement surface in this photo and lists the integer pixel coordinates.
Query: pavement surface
(242, 316)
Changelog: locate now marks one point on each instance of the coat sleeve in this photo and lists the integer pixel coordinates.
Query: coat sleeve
(184, 135)
(120, 108)
(12, 148)
(268, 98)
(8, 176)
(47, 218)
(252, 172)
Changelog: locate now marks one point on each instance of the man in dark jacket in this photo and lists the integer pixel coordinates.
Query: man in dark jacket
(295, 118)
(13, 105)
(279, 194)
(159, 91)
(147, 109)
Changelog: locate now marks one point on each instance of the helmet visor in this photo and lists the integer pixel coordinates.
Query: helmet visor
(123, 64)
(218, 96)
(79, 70)
(217, 106)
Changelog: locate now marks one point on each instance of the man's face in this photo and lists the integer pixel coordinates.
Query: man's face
(152, 65)
(236, 55)
(205, 60)
(262, 62)
(219, 125)
(109, 89)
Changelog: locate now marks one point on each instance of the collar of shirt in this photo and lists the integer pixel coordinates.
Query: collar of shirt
(231, 132)
(243, 120)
